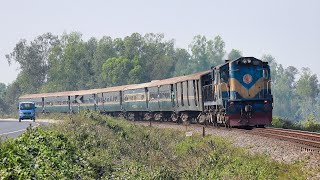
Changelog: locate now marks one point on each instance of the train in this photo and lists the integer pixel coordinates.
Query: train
(235, 93)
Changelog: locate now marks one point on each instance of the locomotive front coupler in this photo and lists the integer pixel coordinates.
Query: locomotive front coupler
(246, 113)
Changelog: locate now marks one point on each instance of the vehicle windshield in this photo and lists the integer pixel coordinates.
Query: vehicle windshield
(26, 106)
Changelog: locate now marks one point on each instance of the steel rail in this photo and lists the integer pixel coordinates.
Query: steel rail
(296, 133)
(306, 140)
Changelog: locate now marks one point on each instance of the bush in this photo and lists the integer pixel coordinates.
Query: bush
(309, 124)
(41, 154)
(283, 123)
(93, 146)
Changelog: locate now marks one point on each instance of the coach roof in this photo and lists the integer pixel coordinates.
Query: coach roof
(118, 88)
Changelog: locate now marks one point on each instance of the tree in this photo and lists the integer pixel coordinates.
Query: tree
(217, 51)
(136, 73)
(206, 53)
(234, 54)
(3, 89)
(283, 88)
(307, 90)
(274, 67)
(3, 105)
(115, 71)
(182, 59)
(12, 95)
(158, 57)
(33, 60)
(307, 85)
(105, 50)
(71, 64)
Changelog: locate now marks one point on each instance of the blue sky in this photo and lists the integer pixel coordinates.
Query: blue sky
(288, 30)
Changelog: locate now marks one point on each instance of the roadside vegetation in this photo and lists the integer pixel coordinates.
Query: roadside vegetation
(93, 146)
(310, 123)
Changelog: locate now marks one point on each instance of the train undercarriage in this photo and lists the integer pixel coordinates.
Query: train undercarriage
(208, 117)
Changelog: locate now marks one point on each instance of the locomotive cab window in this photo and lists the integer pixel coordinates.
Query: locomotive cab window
(265, 74)
(223, 76)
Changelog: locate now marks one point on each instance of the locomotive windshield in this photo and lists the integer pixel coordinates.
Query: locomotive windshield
(249, 61)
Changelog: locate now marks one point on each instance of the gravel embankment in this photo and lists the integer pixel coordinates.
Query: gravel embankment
(278, 150)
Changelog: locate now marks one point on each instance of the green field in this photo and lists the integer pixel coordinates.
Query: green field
(92, 146)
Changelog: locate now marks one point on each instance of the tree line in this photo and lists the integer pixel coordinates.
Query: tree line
(51, 63)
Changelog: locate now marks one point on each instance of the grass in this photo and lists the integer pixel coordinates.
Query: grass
(93, 146)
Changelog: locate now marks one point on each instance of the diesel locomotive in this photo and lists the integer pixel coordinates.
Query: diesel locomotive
(235, 93)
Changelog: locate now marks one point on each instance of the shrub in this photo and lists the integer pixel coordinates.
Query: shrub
(93, 146)
(311, 124)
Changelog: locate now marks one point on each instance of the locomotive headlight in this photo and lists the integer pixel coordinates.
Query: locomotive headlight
(244, 61)
(249, 61)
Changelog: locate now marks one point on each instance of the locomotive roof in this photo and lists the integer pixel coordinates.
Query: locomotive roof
(118, 88)
(235, 60)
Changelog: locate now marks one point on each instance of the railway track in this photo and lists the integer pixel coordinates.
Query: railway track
(309, 141)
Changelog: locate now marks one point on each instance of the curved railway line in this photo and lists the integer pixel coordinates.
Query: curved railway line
(305, 140)
(309, 141)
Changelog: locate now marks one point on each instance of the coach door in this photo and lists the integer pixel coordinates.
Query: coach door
(172, 96)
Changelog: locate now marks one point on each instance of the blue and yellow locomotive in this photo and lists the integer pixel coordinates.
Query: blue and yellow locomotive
(241, 93)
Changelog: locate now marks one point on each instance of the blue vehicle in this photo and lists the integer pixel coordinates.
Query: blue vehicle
(27, 110)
